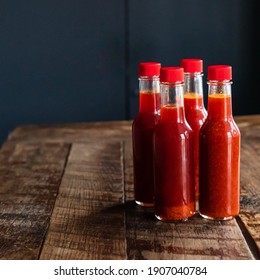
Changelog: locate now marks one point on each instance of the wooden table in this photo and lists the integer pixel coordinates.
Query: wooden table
(66, 192)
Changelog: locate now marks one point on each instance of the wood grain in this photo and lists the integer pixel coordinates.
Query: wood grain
(30, 178)
(195, 239)
(250, 180)
(128, 170)
(88, 219)
(71, 133)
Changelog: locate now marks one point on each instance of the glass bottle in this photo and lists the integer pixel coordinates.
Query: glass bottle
(219, 150)
(173, 152)
(195, 111)
(142, 132)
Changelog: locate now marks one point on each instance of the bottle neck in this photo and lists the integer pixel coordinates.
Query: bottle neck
(172, 102)
(149, 97)
(193, 83)
(193, 90)
(219, 99)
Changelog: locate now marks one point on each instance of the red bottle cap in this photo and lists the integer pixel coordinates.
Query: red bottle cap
(149, 69)
(192, 65)
(219, 72)
(172, 74)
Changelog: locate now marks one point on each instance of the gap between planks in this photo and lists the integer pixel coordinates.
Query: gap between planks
(64, 168)
(248, 238)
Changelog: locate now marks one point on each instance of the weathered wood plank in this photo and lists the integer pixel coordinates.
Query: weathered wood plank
(128, 170)
(195, 239)
(30, 178)
(88, 218)
(71, 133)
(250, 179)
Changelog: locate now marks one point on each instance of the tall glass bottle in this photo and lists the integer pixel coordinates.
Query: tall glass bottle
(219, 150)
(195, 111)
(173, 152)
(142, 132)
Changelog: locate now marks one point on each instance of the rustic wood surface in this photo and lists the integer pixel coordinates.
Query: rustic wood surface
(66, 192)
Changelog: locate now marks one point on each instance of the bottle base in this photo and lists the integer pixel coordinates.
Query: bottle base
(217, 218)
(144, 204)
(175, 213)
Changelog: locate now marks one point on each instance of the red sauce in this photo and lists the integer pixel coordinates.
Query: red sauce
(142, 132)
(219, 161)
(174, 173)
(195, 114)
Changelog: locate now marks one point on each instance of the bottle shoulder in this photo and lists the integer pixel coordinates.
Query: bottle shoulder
(196, 117)
(173, 129)
(199, 112)
(218, 127)
(144, 119)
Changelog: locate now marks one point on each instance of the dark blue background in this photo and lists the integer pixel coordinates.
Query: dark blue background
(76, 60)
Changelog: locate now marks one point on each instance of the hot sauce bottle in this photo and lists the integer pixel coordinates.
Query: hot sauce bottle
(195, 111)
(219, 150)
(142, 132)
(173, 152)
